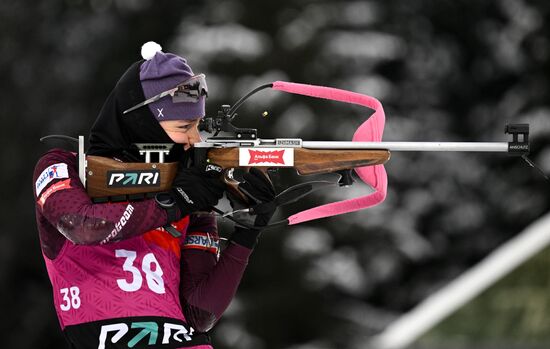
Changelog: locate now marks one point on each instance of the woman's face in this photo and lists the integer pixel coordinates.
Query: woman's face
(184, 132)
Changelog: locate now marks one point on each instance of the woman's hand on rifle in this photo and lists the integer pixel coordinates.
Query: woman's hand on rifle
(196, 189)
(261, 195)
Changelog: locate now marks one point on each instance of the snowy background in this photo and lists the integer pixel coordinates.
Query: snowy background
(444, 70)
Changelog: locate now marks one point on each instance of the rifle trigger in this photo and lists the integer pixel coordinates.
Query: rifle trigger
(346, 178)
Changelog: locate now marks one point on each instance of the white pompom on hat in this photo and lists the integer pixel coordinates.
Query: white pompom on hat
(150, 49)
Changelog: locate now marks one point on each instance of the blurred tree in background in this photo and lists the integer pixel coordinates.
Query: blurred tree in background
(517, 308)
(444, 70)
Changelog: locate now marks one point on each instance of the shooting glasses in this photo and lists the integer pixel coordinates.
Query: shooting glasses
(188, 91)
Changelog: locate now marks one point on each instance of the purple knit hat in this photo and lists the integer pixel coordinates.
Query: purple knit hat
(163, 71)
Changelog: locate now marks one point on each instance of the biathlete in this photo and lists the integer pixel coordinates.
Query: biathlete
(120, 280)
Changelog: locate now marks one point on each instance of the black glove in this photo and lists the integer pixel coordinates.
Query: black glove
(261, 194)
(196, 189)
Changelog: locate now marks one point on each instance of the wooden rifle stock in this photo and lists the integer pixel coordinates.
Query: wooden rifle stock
(311, 161)
(119, 181)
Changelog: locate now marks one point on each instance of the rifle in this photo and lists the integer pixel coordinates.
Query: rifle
(111, 180)
(107, 179)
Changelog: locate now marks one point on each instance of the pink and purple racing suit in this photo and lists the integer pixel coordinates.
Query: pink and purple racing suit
(120, 281)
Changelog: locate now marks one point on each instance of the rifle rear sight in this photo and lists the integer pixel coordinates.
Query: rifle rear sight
(222, 123)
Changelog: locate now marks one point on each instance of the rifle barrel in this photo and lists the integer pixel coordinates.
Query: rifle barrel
(412, 146)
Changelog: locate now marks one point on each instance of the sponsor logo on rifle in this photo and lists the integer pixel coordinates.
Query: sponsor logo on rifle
(260, 156)
(269, 157)
(141, 178)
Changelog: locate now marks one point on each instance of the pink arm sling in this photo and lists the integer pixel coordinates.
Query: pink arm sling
(370, 131)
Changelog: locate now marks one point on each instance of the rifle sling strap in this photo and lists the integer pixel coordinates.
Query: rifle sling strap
(171, 212)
